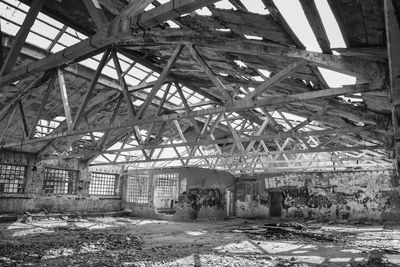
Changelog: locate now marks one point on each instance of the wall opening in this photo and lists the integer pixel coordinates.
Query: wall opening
(166, 192)
(276, 204)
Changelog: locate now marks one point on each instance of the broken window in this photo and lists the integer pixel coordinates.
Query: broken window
(60, 181)
(103, 184)
(137, 190)
(166, 185)
(12, 178)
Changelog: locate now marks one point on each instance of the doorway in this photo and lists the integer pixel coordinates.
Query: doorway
(275, 209)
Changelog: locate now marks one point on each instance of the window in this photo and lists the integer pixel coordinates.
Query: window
(166, 185)
(12, 178)
(138, 188)
(103, 184)
(60, 181)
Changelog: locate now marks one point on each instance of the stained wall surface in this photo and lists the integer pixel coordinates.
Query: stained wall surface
(33, 198)
(370, 195)
(180, 194)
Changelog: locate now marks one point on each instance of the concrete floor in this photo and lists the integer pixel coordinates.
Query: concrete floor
(123, 241)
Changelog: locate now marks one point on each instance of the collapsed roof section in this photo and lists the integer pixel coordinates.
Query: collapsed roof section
(211, 83)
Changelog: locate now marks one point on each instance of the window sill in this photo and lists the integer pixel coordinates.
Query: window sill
(15, 195)
(105, 197)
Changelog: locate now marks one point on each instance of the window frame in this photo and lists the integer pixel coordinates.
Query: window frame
(75, 183)
(115, 185)
(8, 178)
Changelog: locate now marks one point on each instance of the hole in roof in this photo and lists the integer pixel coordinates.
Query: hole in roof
(258, 78)
(256, 6)
(252, 37)
(294, 16)
(240, 63)
(224, 4)
(204, 11)
(172, 24)
(336, 79)
(265, 73)
(332, 28)
(223, 30)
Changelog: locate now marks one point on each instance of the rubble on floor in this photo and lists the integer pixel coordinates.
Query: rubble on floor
(124, 241)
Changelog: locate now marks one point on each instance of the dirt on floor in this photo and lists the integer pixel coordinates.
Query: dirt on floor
(123, 241)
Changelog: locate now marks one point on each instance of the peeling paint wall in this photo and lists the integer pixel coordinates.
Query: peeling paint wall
(368, 195)
(198, 194)
(34, 200)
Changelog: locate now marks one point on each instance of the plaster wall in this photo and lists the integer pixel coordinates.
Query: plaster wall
(34, 200)
(363, 195)
(200, 194)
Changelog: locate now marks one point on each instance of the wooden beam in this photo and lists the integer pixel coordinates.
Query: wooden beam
(160, 80)
(392, 20)
(97, 14)
(23, 118)
(89, 92)
(283, 74)
(287, 152)
(222, 42)
(10, 119)
(236, 106)
(124, 86)
(42, 106)
(226, 97)
(127, 26)
(19, 40)
(247, 139)
(314, 19)
(64, 97)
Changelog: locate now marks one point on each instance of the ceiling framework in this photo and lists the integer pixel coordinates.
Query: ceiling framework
(152, 84)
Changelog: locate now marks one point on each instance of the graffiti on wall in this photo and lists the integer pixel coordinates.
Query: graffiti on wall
(284, 181)
(202, 198)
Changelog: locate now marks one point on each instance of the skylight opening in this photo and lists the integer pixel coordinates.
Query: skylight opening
(336, 79)
(76, 34)
(137, 73)
(129, 79)
(256, 6)
(252, 37)
(36, 40)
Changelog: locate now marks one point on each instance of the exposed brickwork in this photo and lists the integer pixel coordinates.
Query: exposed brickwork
(33, 198)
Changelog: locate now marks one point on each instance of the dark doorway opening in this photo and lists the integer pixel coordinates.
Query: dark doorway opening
(275, 209)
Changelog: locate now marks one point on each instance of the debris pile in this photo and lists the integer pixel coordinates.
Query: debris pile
(74, 241)
(289, 231)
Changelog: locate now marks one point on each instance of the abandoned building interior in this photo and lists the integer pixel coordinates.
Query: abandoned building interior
(199, 133)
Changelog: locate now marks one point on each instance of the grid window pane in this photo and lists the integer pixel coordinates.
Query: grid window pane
(103, 184)
(166, 185)
(60, 181)
(138, 188)
(12, 178)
